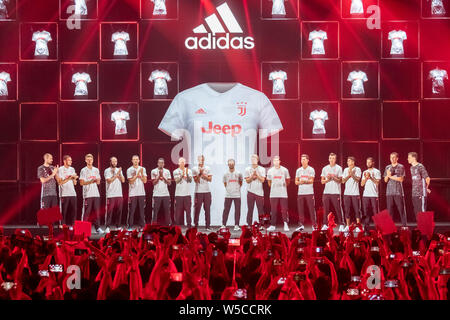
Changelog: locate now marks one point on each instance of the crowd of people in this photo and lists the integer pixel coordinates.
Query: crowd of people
(163, 263)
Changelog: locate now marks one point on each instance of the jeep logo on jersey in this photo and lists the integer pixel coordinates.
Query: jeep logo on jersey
(210, 41)
(233, 129)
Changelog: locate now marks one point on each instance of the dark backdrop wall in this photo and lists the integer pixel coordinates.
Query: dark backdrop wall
(398, 113)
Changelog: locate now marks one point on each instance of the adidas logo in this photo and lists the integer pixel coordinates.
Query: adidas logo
(200, 111)
(210, 41)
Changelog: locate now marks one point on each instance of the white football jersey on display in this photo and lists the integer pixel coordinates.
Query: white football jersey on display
(221, 126)
(120, 39)
(278, 7)
(318, 117)
(80, 7)
(160, 78)
(120, 118)
(437, 7)
(397, 37)
(437, 77)
(4, 79)
(160, 7)
(81, 80)
(317, 37)
(278, 78)
(357, 78)
(357, 7)
(3, 9)
(41, 38)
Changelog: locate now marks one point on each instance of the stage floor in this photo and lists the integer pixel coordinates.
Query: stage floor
(440, 227)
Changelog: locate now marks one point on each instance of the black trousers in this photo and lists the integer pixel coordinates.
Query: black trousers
(69, 209)
(226, 210)
(308, 201)
(91, 211)
(205, 200)
(398, 202)
(253, 199)
(163, 202)
(49, 202)
(114, 207)
(352, 202)
(370, 208)
(183, 205)
(334, 200)
(133, 204)
(419, 204)
(274, 203)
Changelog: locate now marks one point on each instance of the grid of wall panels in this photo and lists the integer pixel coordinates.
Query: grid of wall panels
(399, 110)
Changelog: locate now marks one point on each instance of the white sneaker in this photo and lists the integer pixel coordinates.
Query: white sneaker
(271, 228)
(100, 230)
(237, 228)
(107, 230)
(300, 228)
(324, 227)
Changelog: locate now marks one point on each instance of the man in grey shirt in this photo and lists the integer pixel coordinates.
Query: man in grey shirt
(420, 184)
(232, 181)
(394, 174)
(46, 173)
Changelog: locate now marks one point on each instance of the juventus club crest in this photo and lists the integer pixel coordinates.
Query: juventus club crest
(242, 108)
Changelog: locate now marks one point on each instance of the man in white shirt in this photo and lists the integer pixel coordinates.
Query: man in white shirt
(304, 179)
(67, 180)
(232, 181)
(278, 78)
(114, 196)
(317, 37)
(370, 181)
(255, 176)
(331, 177)
(202, 177)
(397, 37)
(90, 179)
(278, 178)
(120, 39)
(351, 178)
(161, 178)
(183, 179)
(137, 177)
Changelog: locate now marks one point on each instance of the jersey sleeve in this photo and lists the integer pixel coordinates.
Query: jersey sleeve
(358, 173)
(269, 175)
(365, 79)
(401, 172)
(113, 116)
(271, 76)
(127, 37)
(97, 174)
(325, 36)
(310, 37)
(107, 174)
(311, 115)
(74, 78)
(377, 175)
(390, 35)
(404, 35)
(8, 77)
(144, 172)
(113, 37)
(40, 173)
(350, 76)
(49, 37)
(173, 122)
(224, 179)
(83, 175)
(268, 119)
(325, 116)
(288, 176)
(88, 79)
(127, 116)
(284, 75)
(153, 174)
(34, 37)
(167, 77)
(323, 174)
(430, 74)
(152, 77)
(445, 74)
(423, 172)
(385, 171)
(129, 174)
(339, 172)
(313, 172)
(247, 172)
